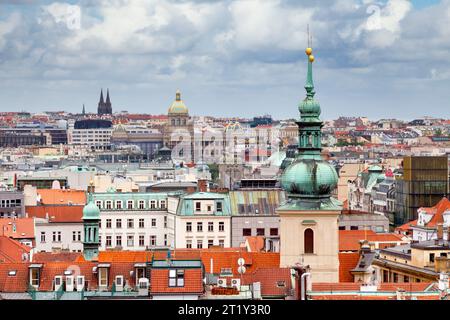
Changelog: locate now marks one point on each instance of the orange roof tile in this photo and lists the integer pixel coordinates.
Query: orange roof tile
(347, 262)
(62, 196)
(349, 240)
(275, 282)
(17, 228)
(438, 212)
(12, 250)
(57, 214)
(255, 243)
(193, 282)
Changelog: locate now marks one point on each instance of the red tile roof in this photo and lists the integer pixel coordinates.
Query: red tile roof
(41, 257)
(220, 257)
(255, 243)
(349, 240)
(386, 286)
(407, 226)
(13, 283)
(62, 197)
(275, 282)
(438, 212)
(57, 214)
(347, 262)
(12, 250)
(193, 282)
(24, 228)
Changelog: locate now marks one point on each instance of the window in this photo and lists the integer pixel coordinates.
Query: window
(118, 241)
(162, 203)
(353, 227)
(130, 240)
(273, 231)
(209, 208)
(42, 236)
(308, 241)
(103, 277)
(405, 279)
(74, 236)
(210, 243)
(189, 244)
(152, 204)
(130, 223)
(141, 204)
(78, 235)
(34, 277)
(188, 226)
(165, 221)
(119, 204)
(199, 226)
(246, 232)
(108, 223)
(221, 226)
(219, 207)
(108, 241)
(54, 236)
(58, 238)
(153, 222)
(141, 240)
(165, 239)
(431, 257)
(199, 244)
(130, 204)
(221, 243)
(385, 276)
(342, 228)
(109, 204)
(260, 232)
(176, 278)
(153, 240)
(99, 204)
(141, 223)
(198, 206)
(210, 226)
(119, 223)
(395, 277)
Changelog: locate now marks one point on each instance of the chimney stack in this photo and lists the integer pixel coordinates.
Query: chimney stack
(202, 185)
(440, 231)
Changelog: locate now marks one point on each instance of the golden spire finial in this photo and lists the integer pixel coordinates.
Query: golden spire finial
(309, 50)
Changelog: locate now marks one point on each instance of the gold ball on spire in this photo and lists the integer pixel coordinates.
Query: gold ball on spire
(308, 51)
(311, 58)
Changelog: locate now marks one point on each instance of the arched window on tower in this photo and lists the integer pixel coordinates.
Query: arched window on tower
(308, 240)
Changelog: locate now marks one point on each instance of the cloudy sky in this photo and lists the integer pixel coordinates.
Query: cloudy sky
(379, 59)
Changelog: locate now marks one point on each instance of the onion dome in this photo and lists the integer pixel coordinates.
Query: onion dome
(178, 107)
(309, 178)
(91, 211)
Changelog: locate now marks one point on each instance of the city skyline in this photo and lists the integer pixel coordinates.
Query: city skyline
(374, 59)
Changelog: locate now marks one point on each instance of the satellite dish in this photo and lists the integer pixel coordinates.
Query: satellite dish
(241, 261)
(242, 269)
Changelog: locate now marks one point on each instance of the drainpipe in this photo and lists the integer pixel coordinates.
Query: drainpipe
(303, 285)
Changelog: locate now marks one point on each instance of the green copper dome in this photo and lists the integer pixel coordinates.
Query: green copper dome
(91, 211)
(309, 178)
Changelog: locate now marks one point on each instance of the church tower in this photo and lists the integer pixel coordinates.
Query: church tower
(309, 217)
(108, 107)
(91, 221)
(101, 104)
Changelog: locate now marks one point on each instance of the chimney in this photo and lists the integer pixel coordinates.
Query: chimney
(202, 185)
(440, 231)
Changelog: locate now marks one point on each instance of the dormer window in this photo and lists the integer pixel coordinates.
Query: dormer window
(109, 204)
(152, 204)
(141, 204)
(118, 204)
